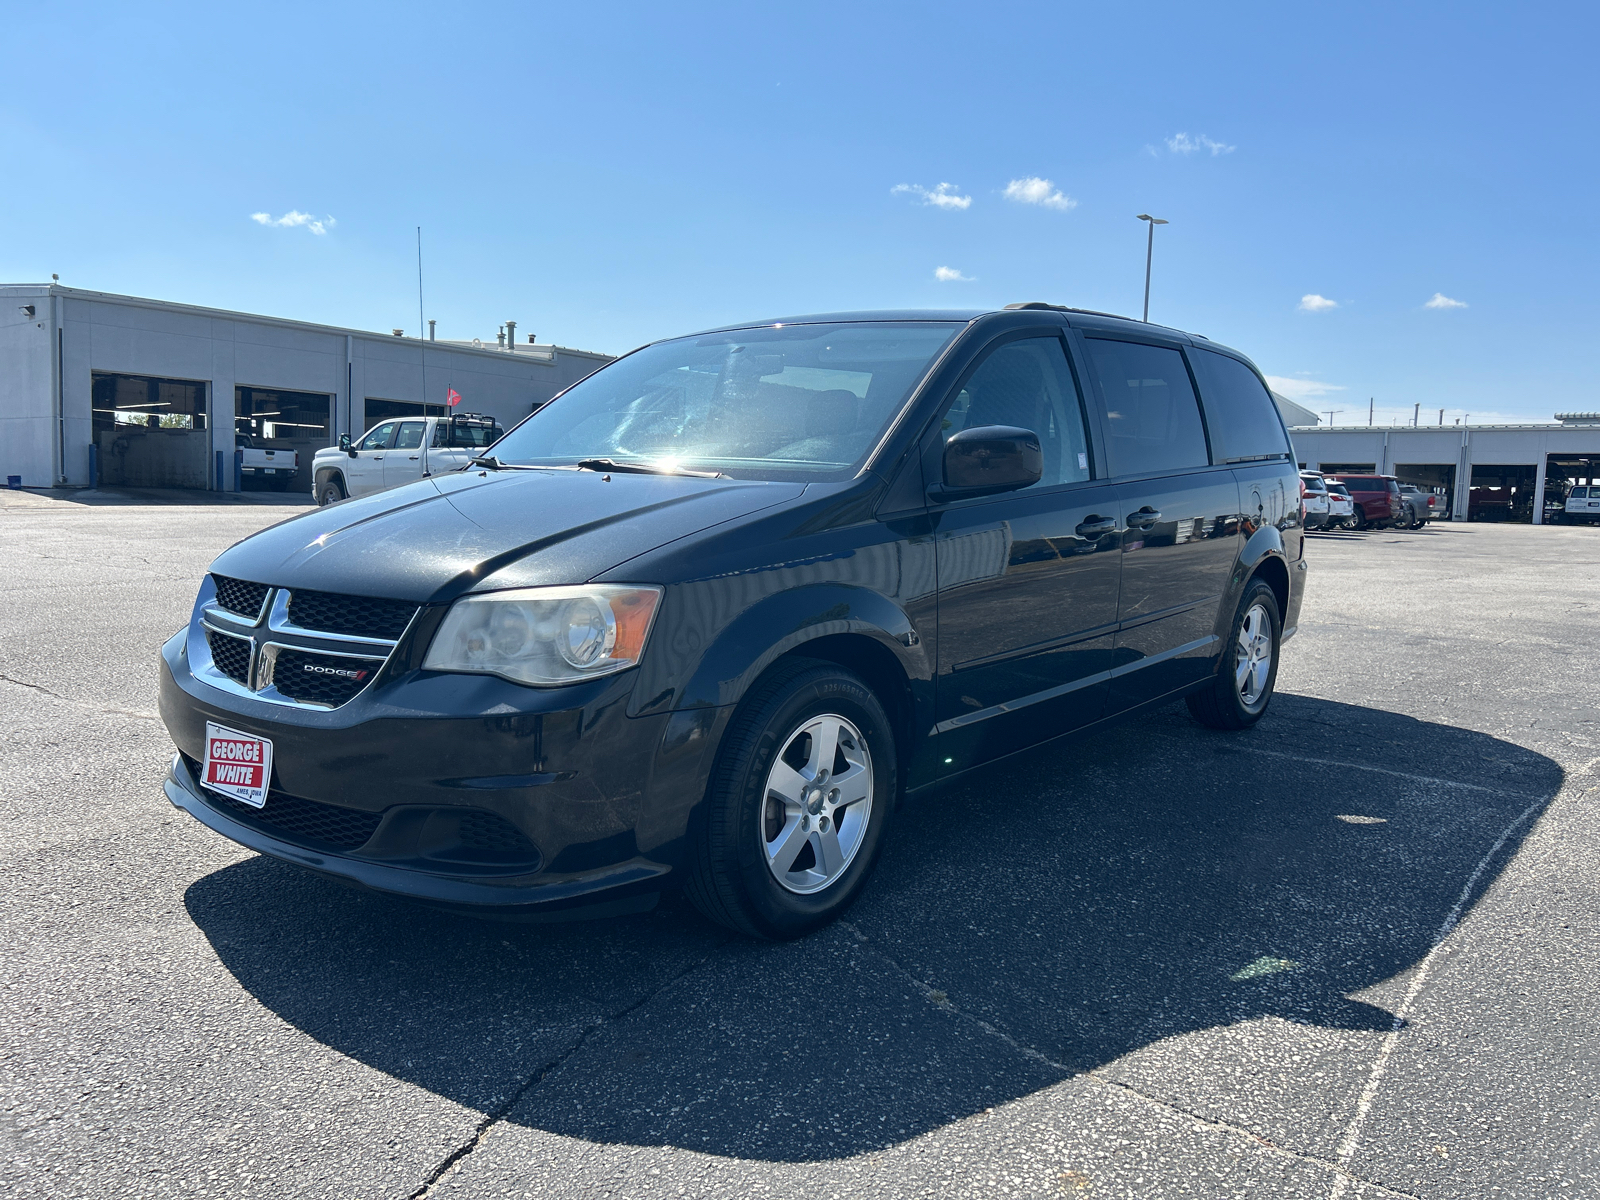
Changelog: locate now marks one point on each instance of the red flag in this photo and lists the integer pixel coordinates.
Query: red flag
(452, 397)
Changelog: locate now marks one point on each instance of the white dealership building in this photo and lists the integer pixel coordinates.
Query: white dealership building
(147, 393)
(1488, 472)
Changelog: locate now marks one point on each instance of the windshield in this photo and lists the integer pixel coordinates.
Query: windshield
(792, 402)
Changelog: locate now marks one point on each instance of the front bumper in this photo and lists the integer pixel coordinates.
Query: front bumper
(594, 804)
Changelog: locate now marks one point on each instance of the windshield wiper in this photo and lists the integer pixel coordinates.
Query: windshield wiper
(494, 464)
(631, 468)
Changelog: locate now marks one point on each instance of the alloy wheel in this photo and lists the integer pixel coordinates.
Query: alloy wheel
(817, 804)
(1253, 664)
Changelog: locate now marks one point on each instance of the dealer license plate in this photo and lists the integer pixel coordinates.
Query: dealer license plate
(238, 765)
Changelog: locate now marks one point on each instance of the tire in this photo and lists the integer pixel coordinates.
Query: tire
(329, 491)
(760, 849)
(1360, 519)
(1237, 697)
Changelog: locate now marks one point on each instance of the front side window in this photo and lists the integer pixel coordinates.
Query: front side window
(378, 438)
(1027, 384)
(786, 402)
(1580, 493)
(1152, 417)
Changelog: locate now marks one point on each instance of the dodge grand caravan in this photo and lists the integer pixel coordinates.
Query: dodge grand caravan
(713, 614)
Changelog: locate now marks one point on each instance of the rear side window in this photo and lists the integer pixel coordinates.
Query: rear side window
(1026, 384)
(1152, 417)
(476, 436)
(410, 435)
(1357, 483)
(1240, 416)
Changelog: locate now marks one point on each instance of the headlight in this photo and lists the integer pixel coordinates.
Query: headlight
(546, 635)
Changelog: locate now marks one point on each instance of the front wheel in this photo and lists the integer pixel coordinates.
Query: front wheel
(794, 818)
(1237, 697)
(330, 491)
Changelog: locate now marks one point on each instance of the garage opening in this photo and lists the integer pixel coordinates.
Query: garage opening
(1501, 493)
(1438, 478)
(150, 432)
(1563, 472)
(273, 419)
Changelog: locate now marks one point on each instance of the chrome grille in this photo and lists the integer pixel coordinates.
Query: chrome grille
(230, 654)
(320, 678)
(352, 616)
(241, 596)
(305, 648)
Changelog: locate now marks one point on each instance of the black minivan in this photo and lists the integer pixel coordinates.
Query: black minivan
(712, 615)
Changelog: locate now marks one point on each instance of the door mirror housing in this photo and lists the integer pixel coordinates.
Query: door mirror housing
(344, 444)
(989, 459)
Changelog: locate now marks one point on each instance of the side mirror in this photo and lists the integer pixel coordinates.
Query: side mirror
(990, 458)
(344, 444)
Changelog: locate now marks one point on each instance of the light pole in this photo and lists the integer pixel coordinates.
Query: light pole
(1332, 413)
(1149, 250)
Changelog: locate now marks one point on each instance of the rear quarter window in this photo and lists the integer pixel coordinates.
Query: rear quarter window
(1240, 415)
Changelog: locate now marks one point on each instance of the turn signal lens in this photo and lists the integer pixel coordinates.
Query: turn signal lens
(546, 636)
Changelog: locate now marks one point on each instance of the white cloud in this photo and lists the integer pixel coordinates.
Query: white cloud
(1034, 190)
(951, 275)
(1182, 143)
(293, 218)
(946, 195)
(1298, 388)
(1440, 300)
(1311, 302)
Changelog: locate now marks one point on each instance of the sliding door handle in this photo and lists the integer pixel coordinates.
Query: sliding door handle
(1144, 518)
(1096, 526)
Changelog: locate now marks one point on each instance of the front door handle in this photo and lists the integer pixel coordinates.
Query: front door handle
(1144, 518)
(1096, 526)
(414, 457)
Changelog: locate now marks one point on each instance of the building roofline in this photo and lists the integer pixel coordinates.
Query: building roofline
(1544, 425)
(199, 310)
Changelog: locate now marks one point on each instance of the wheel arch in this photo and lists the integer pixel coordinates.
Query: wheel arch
(855, 627)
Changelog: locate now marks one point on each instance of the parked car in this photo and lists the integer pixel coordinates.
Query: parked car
(1314, 499)
(1582, 506)
(1424, 505)
(708, 618)
(275, 468)
(1341, 508)
(398, 452)
(1376, 499)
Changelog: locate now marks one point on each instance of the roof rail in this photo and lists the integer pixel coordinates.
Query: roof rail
(1088, 312)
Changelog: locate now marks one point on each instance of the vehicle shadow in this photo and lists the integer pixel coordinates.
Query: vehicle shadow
(1086, 900)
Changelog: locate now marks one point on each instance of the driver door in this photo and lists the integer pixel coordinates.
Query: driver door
(363, 471)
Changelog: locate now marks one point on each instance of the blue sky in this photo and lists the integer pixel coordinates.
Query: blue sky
(609, 174)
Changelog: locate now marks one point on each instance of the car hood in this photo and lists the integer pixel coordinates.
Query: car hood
(480, 530)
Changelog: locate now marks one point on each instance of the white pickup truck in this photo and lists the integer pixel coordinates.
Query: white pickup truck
(395, 452)
(275, 468)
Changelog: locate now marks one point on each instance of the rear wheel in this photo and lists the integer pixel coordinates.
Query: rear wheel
(1237, 697)
(330, 491)
(795, 815)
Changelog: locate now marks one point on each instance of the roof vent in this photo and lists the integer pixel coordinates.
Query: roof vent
(1578, 418)
(399, 333)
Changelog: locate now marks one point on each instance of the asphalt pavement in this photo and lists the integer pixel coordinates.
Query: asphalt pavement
(1349, 954)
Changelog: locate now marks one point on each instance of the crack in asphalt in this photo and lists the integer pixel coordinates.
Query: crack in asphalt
(114, 712)
(499, 1114)
(941, 1001)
